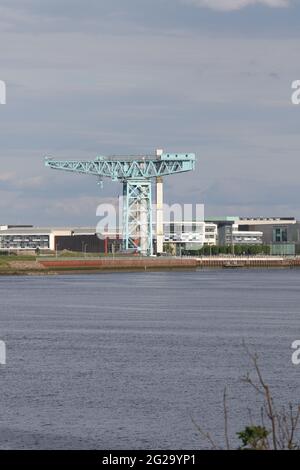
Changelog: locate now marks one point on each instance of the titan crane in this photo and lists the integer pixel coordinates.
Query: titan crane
(137, 174)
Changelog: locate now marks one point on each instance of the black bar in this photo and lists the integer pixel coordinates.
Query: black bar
(150, 458)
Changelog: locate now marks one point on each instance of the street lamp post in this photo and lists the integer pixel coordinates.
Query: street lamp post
(83, 248)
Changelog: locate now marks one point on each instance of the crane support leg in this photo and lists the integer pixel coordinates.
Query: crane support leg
(159, 215)
(137, 216)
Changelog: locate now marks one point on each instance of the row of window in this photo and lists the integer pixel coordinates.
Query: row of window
(25, 241)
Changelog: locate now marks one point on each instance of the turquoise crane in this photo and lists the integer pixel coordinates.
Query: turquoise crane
(136, 173)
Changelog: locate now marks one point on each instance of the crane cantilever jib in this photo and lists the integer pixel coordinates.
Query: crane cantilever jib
(136, 174)
(128, 167)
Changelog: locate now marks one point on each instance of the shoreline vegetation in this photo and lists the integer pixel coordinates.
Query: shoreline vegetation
(270, 427)
(76, 264)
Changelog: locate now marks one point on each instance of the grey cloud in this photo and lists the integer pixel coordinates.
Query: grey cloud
(250, 192)
(230, 5)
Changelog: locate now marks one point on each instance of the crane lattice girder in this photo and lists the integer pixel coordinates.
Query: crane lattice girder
(137, 215)
(125, 168)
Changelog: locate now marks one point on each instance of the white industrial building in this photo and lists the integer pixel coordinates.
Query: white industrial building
(191, 233)
(26, 237)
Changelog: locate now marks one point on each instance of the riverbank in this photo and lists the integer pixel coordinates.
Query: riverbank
(79, 265)
(40, 266)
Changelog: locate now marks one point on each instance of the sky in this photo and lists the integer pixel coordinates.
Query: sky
(88, 78)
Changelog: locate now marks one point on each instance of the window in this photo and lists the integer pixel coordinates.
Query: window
(284, 235)
(280, 235)
(277, 235)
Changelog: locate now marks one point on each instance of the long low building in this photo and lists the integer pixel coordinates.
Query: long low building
(30, 238)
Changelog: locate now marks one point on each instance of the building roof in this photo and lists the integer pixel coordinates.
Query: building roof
(266, 220)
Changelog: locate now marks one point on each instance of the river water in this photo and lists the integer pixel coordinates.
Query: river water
(125, 360)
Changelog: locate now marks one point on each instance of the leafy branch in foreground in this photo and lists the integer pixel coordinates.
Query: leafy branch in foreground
(276, 430)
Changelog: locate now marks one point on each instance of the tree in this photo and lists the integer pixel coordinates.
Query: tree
(277, 428)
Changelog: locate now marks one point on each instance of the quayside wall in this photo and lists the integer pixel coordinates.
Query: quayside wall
(123, 263)
(170, 263)
(254, 262)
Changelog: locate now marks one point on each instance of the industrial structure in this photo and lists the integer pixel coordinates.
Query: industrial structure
(137, 174)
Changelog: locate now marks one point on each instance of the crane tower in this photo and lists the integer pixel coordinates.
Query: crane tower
(136, 173)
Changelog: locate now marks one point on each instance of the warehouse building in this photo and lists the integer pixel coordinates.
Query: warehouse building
(14, 238)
